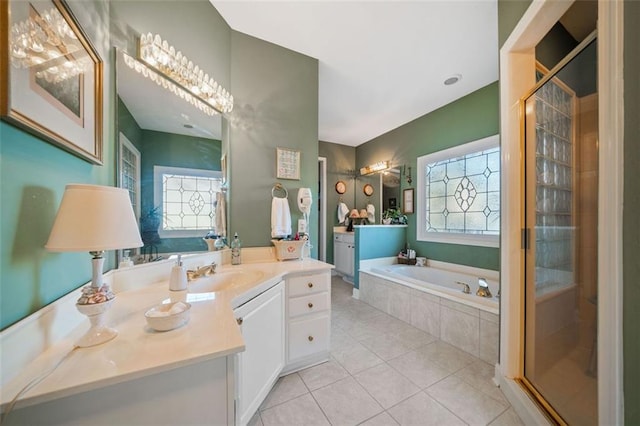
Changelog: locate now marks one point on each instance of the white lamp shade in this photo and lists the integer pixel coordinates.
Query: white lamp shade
(94, 218)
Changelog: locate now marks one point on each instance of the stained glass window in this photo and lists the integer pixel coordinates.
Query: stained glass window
(460, 191)
(188, 199)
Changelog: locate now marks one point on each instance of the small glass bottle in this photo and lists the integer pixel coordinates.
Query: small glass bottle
(235, 250)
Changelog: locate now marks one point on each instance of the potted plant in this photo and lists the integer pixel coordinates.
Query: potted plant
(393, 217)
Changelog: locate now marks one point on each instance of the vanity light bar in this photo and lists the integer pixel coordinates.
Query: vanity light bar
(372, 168)
(160, 80)
(164, 58)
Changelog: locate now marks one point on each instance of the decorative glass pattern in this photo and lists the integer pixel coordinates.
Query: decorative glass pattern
(463, 194)
(129, 175)
(554, 190)
(189, 202)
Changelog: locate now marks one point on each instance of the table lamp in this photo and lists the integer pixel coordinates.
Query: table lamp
(94, 218)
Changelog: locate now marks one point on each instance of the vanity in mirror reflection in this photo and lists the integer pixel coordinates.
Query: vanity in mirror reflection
(169, 159)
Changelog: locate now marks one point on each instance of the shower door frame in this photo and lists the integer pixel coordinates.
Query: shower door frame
(517, 65)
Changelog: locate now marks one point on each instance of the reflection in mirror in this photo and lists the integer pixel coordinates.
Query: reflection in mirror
(391, 189)
(169, 160)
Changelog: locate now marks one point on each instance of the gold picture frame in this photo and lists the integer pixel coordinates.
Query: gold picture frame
(287, 164)
(51, 76)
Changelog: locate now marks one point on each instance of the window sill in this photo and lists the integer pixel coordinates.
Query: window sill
(467, 240)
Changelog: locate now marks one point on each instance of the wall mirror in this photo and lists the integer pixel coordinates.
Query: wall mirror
(169, 158)
(390, 189)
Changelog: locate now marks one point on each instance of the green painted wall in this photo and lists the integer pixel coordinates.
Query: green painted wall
(341, 160)
(128, 126)
(276, 105)
(377, 241)
(509, 14)
(33, 175)
(472, 117)
(631, 230)
(172, 150)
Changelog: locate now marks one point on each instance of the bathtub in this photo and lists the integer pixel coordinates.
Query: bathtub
(428, 298)
(441, 283)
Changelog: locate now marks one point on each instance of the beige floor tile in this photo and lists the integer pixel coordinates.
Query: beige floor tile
(418, 368)
(422, 410)
(508, 418)
(285, 389)
(446, 356)
(323, 374)
(256, 420)
(299, 411)
(356, 359)
(346, 402)
(386, 385)
(414, 337)
(470, 404)
(382, 419)
(480, 375)
(386, 346)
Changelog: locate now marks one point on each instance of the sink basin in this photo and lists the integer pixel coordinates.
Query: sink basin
(224, 280)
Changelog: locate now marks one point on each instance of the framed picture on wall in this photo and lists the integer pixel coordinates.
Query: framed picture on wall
(287, 163)
(392, 203)
(407, 201)
(51, 76)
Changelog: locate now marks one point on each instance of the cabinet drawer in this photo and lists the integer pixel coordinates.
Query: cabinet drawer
(301, 305)
(308, 284)
(308, 336)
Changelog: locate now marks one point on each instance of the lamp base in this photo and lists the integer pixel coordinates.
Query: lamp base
(98, 333)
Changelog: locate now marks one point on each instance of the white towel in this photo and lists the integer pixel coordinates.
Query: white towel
(221, 214)
(371, 213)
(280, 218)
(343, 211)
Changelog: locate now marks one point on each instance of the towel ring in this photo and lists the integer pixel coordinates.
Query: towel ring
(279, 187)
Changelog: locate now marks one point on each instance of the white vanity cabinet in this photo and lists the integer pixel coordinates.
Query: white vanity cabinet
(308, 320)
(344, 253)
(261, 321)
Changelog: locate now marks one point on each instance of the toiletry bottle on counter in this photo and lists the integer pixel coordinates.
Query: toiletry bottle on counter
(178, 278)
(235, 250)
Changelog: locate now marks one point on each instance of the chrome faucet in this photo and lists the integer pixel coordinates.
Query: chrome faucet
(465, 287)
(202, 271)
(483, 288)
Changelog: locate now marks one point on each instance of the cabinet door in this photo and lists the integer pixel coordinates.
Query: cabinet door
(351, 259)
(341, 256)
(261, 321)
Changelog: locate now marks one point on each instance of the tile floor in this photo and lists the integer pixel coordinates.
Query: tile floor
(385, 372)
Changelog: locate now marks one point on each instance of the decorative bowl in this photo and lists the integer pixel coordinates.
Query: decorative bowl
(168, 316)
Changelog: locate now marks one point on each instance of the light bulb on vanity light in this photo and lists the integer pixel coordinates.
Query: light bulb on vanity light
(94, 218)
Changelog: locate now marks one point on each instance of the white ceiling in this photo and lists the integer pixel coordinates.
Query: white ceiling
(381, 63)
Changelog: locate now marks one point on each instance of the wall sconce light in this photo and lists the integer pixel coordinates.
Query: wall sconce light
(373, 168)
(94, 218)
(192, 82)
(407, 174)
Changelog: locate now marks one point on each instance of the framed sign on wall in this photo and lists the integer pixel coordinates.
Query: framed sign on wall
(287, 164)
(407, 201)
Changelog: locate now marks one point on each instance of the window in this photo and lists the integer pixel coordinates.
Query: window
(187, 200)
(130, 172)
(459, 194)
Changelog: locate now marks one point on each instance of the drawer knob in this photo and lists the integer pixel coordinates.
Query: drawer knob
(311, 338)
(310, 285)
(239, 321)
(310, 305)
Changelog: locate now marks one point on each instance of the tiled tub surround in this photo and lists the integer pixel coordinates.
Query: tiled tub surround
(465, 321)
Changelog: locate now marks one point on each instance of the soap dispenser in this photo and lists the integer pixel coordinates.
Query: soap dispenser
(178, 278)
(235, 250)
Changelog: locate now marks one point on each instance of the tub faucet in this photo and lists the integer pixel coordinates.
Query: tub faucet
(483, 288)
(465, 287)
(202, 271)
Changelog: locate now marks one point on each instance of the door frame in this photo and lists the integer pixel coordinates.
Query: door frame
(322, 216)
(517, 62)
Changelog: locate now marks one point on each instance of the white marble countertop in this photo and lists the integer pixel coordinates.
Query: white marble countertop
(138, 351)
